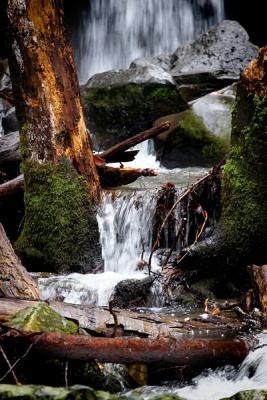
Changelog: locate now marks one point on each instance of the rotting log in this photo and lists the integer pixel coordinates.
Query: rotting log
(124, 156)
(258, 276)
(14, 279)
(113, 177)
(162, 351)
(61, 182)
(12, 186)
(100, 322)
(134, 140)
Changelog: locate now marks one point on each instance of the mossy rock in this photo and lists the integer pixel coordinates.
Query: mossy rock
(190, 143)
(120, 104)
(41, 318)
(34, 392)
(60, 232)
(249, 395)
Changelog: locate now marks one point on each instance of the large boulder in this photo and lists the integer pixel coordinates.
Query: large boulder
(212, 62)
(119, 104)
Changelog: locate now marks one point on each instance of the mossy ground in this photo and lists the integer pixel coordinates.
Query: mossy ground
(119, 112)
(60, 231)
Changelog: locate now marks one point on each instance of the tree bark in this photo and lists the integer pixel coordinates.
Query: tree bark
(163, 351)
(259, 280)
(61, 182)
(14, 279)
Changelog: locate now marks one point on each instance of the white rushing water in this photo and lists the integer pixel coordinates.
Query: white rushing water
(221, 383)
(112, 33)
(125, 221)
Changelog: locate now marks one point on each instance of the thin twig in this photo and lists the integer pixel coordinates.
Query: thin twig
(182, 197)
(8, 363)
(112, 312)
(21, 358)
(66, 374)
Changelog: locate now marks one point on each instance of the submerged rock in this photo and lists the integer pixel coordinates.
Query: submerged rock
(119, 104)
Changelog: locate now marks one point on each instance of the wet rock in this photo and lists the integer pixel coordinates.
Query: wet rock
(215, 110)
(132, 293)
(163, 61)
(41, 318)
(10, 122)
(249, 395)
(119, 104)
(34, 392)
(189, 143)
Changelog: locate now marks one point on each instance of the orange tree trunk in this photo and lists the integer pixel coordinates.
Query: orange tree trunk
(61, 183)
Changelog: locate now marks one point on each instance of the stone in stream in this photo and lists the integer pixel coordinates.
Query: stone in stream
(119, 104)
(133, 293)
(209, 63)
(200, 136)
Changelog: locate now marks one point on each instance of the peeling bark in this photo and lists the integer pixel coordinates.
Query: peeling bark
(61, 182)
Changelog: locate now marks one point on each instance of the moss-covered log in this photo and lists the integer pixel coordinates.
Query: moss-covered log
(61, 183)
(240, 236)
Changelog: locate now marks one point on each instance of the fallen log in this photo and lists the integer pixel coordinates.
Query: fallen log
(98, 320)
(125, 156)
(163, 351)
(132, 141)
(12, 186)
(113, 177)
(14, 279)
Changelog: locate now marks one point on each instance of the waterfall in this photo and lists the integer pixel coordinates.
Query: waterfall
(112, 33)
(125, 225)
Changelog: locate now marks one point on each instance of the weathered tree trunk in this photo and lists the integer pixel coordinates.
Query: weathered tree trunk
(61, 183)
(12, 186)
(259, 280)
(14, 279)
(163, 351)
(240, 236)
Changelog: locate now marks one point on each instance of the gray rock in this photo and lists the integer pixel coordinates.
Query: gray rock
(10, 122)
(140, 75)
(225, 50)
(163, 61)
(132, 293)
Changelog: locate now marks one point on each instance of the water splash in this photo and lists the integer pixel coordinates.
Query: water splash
(112, 33)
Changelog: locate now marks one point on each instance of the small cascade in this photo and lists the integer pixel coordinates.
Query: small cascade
(112, 33)
(125, 224)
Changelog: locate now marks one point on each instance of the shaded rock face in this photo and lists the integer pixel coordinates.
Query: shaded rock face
(119, 104)
(8, 119)
(132, 293)
(189, 143)
(213, 61)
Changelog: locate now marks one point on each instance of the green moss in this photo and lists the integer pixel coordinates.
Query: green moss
(118, 112)
(192, 133)
(41, 318)
(34, 392)
(249, 395)
(245, 185)
(60, 232)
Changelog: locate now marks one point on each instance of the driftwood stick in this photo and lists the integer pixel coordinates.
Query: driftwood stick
(113, 177)
(128, 143)
(163, 351)
(12, 186)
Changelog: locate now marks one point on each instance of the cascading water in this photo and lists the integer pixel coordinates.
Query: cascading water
(223, 382)
(125, 224)
(112, 33)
